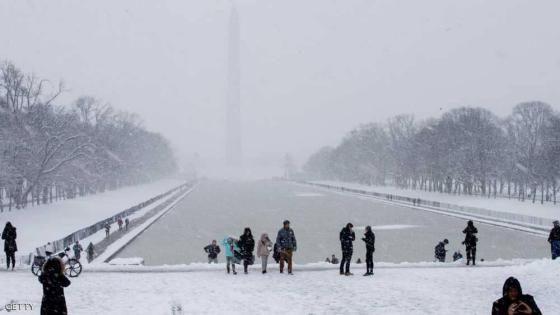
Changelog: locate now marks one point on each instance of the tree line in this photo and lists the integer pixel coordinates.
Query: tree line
(465, 151)
(49, 151)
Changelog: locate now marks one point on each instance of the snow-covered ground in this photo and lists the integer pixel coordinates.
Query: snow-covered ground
(40, 224)
(413, 289)
(527, 207)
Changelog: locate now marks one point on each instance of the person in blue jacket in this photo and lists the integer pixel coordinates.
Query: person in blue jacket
(230, 247)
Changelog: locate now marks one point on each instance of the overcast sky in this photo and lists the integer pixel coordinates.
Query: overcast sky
(310, 70)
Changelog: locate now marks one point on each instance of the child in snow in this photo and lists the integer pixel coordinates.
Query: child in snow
(264, 247)
(54, 281)
(212, 250)
(230, 247)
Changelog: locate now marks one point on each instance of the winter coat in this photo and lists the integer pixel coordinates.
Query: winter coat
(286, 239)
(347, 237)
(9, 236)
(246, 245)
(369, 239)
(53, 292)
(229, 248)
(212, 250)
(264, 246)
(440, 250)
(470, 237)
(77, 248)
(501, 306)
(554, 234)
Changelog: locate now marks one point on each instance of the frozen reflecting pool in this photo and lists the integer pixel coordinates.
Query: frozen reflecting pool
(216, 209)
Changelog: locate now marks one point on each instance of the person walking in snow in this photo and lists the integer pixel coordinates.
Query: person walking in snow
(347, 237)
(230, 247)
(440, 251)
(120, 223)
(264, 247)
(470, 242)
(554, 240)
(9, 236)
(90, 251)
(514, 302)
(247, 246)
(77, 248)
(107, 229)
(287, 245)
(126, 223)
(212, 250)
(54, 281)
(369, 239)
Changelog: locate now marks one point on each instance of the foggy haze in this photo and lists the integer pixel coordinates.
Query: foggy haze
(310, 70)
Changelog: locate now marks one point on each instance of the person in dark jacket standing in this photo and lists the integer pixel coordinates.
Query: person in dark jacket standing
(9, 236)
(369, 239)
(54, 281)
(90, 251)
(347, 237)
(470, 242)
(77, 248)
(554, 240)
(287, 245)
(440, 251)
(513, 301)
(212, 250)
(247, 246)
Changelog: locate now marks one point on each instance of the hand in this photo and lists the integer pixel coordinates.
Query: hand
(523, 308)
(512, 309)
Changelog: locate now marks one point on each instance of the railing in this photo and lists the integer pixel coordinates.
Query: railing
(506, 217)
(60, 244)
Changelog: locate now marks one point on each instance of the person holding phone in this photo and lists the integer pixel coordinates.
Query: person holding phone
(514, 302)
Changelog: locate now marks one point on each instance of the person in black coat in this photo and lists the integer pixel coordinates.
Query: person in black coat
(54, 281)
(247, 246)
(513, 301)
(369, 239)
(347, 237)
(9, 236)
(554, 240)
(470, 242)
(212, 250)
(440, 252)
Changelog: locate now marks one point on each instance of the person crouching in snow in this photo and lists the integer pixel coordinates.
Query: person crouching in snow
(54, 281)
(440, 250)
(264, 247)
(514, 302)
(230, 247)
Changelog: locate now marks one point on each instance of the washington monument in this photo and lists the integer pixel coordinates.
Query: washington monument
(234, 151)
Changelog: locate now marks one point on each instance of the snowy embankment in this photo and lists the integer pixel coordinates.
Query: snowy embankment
(416, 289)
(506, 211)
(37, 225)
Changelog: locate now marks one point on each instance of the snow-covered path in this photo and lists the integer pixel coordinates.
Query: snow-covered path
(457, 290)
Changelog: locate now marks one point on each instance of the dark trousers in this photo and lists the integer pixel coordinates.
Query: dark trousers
(471, 253)
(555, 248)
(369, 260)
(10, 256)
(345, 262)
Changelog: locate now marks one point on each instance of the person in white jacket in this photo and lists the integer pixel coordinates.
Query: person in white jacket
(264, 247)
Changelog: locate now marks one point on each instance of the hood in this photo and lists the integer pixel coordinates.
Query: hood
(511, 282)
(264, 236)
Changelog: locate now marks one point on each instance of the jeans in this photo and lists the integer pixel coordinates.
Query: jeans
(471, 253)
(286, 255)
(555, 249)
(229, 262)
(212, 260)
(10, 256)
(345, 262)
(264, 260)
(369, 260)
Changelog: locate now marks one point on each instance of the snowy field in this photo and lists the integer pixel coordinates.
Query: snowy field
(219, 208)
(410, 290)
(40, 224)
(527, 207)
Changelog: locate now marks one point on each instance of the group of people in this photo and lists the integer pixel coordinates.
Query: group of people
(120, 223)
(470, 242)
(347, 238)
(241, 249)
